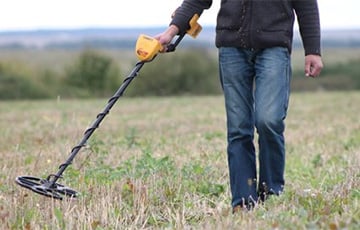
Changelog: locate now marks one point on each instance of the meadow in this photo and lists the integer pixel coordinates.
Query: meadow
(160, 163)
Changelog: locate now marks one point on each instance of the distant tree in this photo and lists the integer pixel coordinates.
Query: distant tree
(93, 72)
(16, 86)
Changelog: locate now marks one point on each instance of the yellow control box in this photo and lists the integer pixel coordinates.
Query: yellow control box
(147, 47)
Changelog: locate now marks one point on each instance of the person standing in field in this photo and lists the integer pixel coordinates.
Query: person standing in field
(254, 41)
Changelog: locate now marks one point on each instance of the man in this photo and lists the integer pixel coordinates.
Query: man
(254, 40)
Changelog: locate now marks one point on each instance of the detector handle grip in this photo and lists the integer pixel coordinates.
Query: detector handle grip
(193, 31)
(148, 47)
(195, 27)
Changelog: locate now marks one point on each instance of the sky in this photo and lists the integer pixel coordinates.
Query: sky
(71, 14)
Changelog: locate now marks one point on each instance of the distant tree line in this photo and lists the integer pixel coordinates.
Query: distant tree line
(335, 77)
(95, 74)
(189, 72)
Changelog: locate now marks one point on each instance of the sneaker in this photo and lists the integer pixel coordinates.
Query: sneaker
(238, 208)
(242, 208)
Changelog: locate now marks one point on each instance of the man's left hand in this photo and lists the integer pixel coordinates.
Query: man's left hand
(313, 65)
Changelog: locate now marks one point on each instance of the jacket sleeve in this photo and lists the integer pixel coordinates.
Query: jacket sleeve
(309, 24)
(186, 11)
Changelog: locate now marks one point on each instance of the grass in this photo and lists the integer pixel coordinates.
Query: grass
(160, 163)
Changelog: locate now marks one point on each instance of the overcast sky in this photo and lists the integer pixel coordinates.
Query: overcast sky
(49, 14)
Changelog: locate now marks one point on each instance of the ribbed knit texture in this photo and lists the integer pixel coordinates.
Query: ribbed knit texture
(258, 24)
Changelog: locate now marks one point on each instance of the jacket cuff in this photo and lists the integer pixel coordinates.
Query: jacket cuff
(312, 50)
(181, 24)
(312, 45)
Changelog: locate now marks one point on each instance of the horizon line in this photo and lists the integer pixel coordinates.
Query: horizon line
(15, 30)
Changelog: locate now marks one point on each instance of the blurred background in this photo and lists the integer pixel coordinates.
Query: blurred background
(83, 49)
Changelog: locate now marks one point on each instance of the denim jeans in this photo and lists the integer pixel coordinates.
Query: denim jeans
(256, 86)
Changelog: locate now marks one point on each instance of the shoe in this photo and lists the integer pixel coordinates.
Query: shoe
(238, 208)
(242, 208)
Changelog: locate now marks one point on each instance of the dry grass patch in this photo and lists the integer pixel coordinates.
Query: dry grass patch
(158, 163)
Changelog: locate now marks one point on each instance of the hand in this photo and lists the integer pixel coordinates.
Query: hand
(313, 65)
(167, 36)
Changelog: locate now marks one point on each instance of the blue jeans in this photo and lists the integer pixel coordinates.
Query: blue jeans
(256, 86)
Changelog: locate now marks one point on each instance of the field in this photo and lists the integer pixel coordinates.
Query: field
(160, 163)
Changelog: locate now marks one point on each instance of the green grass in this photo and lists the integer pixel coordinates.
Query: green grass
(160, 163)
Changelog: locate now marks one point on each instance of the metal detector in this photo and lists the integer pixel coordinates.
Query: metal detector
(146, 50)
